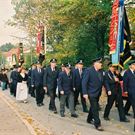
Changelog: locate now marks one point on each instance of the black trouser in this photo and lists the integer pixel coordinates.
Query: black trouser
(83, 100)
(32, 91)
(52, 95)
(76, 95)
(110, 101)
(11, 89)
(39, 94)
(127, 106)
(14, 85)
(132, 101)
(93, 112)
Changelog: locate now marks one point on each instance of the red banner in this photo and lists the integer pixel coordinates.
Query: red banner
(114, 27)
(39, 39)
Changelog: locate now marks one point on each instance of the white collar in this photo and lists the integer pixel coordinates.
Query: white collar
(132, 70)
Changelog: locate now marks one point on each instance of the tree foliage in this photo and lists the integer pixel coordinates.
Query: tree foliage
(6, 47)
(75, 28)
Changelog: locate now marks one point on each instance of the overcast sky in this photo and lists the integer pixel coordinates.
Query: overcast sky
(6, 32)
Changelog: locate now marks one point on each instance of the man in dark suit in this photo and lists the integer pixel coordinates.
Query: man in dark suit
(37, 82)
(77, 84)
(14, 78)
(31, 89)
(91, 87)
(114, 93)
(129, 84)
(65, 86)
(50, 83)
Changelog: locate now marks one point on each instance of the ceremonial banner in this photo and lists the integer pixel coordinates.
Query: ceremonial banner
(21, 55)
(38, 47)
(14, 59)
(40, 39)
(114, 27)
(116, 55)
(126, 54)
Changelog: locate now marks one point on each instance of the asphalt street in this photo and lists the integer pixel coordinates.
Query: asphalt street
(44, 122)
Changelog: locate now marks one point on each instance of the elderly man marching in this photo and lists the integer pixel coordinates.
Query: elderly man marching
(65, 86)
(129, 85)
(91, 87)
(50, 83)
(77, 84)
(114, 93)
(37, 82)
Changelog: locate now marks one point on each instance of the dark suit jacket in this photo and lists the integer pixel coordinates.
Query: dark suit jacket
(65, 83)
(129, 82)
(14, 76)
(77, 79)
(110, 83)
(50, 78)
(37, 78)
(92, 82)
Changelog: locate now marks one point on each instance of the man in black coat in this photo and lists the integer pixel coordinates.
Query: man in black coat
(65, 86)
(37, 82)
(77, 84)
(129, 84)
(114, 93)
(50, 83)
(31, 89)
(91, 87)
(14, 78)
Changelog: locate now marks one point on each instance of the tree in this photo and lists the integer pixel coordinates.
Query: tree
(6, 47)
(75, 28)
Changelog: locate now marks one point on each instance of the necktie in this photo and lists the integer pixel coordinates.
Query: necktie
(99, 75)
(80, 72)
(53, 69)
(39, 70)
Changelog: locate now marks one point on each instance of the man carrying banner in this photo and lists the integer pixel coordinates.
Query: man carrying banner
(114, 93)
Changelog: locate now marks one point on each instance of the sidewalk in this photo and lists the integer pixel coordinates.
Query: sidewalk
(10, 124)
(53, 124)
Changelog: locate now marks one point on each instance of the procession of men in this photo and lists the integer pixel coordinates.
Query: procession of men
(71, 83)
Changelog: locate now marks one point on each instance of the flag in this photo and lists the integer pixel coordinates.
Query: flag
(114, 27)
(41, 57)
(126, 54)
(40, 39)
(116, 56)
(14, 59)
(21, 55)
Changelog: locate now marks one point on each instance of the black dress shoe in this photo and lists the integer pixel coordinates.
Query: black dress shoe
(90, 122)
(38, 105)
(99, 128)
(128, 114)
(125, 120)
(50, 109)
(62, 114)
(106, 118)
(54, 110)
(42, 104)
(74, 115)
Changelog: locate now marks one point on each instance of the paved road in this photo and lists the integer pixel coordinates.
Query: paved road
(10, 123)
(50, 123)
